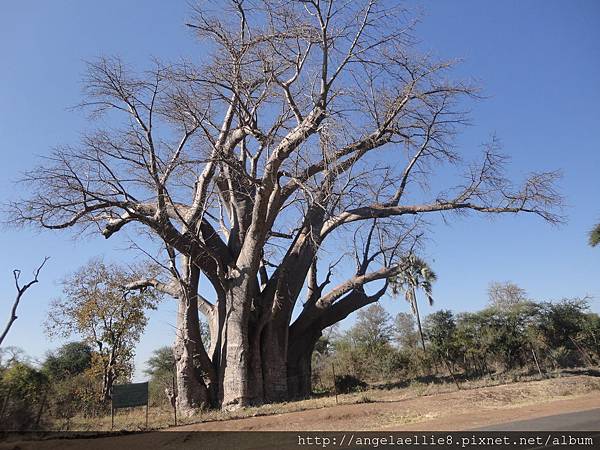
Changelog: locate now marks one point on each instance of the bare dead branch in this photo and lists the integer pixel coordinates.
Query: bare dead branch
(20, 292)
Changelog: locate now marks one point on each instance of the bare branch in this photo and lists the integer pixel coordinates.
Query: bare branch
(20, 292)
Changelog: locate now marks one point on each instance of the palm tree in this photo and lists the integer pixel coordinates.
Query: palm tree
(595, 236)
(417, 275)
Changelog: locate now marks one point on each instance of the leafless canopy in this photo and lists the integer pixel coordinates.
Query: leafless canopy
(303, 120)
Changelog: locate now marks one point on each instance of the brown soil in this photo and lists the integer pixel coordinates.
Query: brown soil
(457, 410)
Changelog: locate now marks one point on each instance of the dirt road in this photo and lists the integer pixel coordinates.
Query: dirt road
(588, 420)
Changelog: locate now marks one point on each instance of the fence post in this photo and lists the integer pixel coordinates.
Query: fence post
(536, 362)
(173, 399)
(6, 401)
(586, 357)
(39, 416)
(334, 385)
(451, 373)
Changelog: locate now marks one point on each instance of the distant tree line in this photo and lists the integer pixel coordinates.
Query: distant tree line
(527, 336)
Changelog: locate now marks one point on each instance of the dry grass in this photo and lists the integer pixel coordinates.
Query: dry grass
(130, 419)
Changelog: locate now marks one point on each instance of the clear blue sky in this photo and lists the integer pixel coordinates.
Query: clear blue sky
(537, 61)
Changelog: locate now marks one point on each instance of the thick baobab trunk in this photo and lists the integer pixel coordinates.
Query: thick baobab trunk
(300, 374)
(274, 362)
(300, 363)
(255, 370)
(235, 359)
(278, 362)
(308, 328)
(192, 392)
(188, 350)
(268, 361)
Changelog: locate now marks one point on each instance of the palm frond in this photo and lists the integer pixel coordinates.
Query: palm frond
(429, 297)
(431, 276)
(595, 236)
(418, 275)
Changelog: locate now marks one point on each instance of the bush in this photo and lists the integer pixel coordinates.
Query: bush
(345, 384)
(22, 390)
(80, 394)
(160, 368)
(563, 357)
(417, 362)
(69, 360)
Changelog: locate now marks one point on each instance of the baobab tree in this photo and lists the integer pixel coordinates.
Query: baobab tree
(306, 125)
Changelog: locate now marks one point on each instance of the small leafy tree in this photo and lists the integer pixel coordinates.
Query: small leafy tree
(97, 306)
(405, 333)
(474, 350)
(506, 333)
(372, 329)
(590, 335)
(365, 351)
(73, 386)
(160, 367)
(161, 362)
(562, 325)
(71, 359)
(440, 329)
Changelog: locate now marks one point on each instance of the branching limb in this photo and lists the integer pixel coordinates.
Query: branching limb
(143, 283)
(20, 292)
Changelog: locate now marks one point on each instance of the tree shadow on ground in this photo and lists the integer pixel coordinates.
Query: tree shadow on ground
(505, 377)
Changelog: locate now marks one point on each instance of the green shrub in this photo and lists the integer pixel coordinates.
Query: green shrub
(22, 389)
